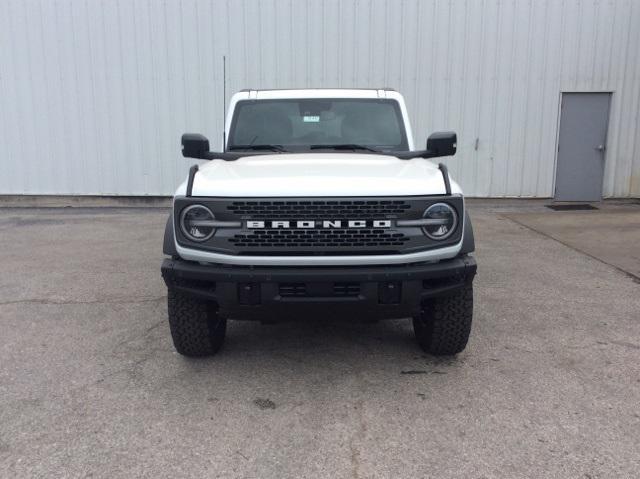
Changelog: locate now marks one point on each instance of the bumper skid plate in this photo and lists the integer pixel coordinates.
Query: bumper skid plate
(274, 293)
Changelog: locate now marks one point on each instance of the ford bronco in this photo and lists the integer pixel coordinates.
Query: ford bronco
(319, 205)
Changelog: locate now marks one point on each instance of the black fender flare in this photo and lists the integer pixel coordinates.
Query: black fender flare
(169, 245)
(468, 241)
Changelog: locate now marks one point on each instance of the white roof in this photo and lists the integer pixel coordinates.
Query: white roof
(319, 93)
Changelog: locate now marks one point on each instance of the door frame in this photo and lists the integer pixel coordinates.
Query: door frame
(611, 93)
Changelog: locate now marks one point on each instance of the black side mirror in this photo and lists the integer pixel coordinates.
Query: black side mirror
(442, 143)
(195, 145)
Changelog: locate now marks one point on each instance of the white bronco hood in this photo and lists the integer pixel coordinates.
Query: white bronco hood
(318, 174)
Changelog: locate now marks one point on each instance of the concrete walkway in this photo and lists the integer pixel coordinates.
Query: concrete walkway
(610, 234)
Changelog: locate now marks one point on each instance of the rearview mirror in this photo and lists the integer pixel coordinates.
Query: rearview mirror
(195, 145)
(442, 143)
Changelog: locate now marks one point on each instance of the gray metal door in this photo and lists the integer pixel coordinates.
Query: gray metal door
(581, 146)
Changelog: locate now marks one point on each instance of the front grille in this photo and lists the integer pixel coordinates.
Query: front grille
(338, 209)
(323, 239)
(343, 238)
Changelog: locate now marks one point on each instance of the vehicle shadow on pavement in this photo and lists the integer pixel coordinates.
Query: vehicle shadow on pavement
(322, 345)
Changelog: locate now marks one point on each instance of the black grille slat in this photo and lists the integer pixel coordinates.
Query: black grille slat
(300, 290)
(292, 290)
(346, 289)
(319, 238)
(353, 209)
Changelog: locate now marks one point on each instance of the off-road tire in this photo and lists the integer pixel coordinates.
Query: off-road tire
(195, 327)
(444, 326)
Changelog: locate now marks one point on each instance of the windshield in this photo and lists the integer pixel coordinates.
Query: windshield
(318, 124)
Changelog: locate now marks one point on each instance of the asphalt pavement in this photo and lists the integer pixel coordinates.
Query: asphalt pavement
(90, 385)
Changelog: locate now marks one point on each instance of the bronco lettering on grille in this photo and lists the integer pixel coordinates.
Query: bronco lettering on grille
(310, 224)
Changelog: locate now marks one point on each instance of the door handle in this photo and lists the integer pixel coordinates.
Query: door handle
(600, 148)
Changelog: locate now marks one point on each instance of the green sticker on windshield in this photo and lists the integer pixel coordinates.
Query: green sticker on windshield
(311, 119)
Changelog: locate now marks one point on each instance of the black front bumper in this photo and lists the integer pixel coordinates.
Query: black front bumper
(364, 292)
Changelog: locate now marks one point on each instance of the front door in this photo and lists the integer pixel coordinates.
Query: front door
(581, 146)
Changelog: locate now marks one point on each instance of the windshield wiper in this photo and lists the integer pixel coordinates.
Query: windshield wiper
(258, 148)
(343, 146)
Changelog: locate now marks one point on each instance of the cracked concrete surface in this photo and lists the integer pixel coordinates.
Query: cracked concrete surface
(105, 301)
(90, 385)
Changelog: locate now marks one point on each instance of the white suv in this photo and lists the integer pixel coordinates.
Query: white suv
(319, 205)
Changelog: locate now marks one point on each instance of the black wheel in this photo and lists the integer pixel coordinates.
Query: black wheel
(444, 326)
(196, 328)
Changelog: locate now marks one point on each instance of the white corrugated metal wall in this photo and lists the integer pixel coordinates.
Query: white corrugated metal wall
(94, 95)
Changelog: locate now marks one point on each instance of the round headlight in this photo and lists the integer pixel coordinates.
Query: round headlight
(443, 220)
(196, 222)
